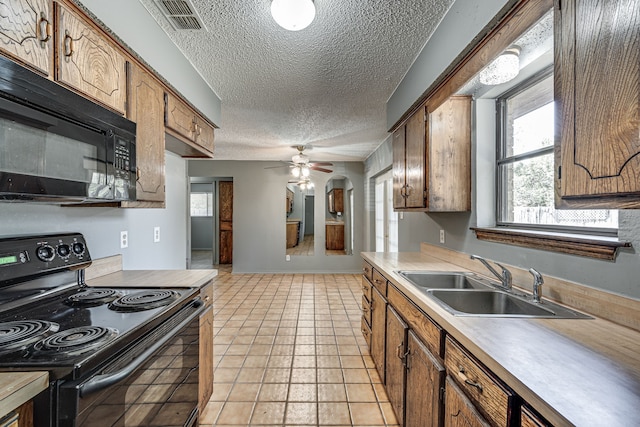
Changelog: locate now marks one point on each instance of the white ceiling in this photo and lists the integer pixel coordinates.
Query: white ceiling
(326, 85)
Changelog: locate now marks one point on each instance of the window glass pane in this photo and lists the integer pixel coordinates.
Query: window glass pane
(528, 198)
(201, 204)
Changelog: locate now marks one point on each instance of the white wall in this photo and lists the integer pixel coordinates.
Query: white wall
(259, 220)
(101, 226)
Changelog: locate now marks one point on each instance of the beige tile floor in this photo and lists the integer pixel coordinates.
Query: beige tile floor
(289, 352)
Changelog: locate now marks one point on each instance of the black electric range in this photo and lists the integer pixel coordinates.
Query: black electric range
(92, 341)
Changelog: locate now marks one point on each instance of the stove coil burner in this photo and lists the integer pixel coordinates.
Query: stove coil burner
(72, 342)
(144, 300)
(18, 335)
(92, 297)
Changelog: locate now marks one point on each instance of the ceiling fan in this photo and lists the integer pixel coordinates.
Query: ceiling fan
(301, 165)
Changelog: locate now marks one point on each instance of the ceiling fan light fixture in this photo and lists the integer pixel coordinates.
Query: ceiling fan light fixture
(502, 69)
(305, 171)
(295, 172)
(293, 15)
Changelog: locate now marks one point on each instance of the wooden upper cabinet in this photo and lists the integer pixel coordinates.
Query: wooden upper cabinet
(145, 106)
(335, 200)
(449, 156)
(432, 158)
(398, 168)
(597, 95)
(186, 124)
(88, 62)
(26, 33)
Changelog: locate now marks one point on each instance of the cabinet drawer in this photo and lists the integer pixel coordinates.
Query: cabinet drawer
(431, 334)
(366, 310)
(367, 270)
(380, 282)
(206, 293)
(366, 288)
(366, 331)
(491, 398)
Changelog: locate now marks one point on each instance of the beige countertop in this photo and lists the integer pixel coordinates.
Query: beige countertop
(333, 222)
(584, 372)
(154, 279)
(17, 388)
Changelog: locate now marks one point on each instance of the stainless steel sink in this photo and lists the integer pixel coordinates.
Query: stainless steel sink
(495, 303)
(443, 279)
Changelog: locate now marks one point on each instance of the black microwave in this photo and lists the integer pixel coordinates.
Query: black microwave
(58, 147)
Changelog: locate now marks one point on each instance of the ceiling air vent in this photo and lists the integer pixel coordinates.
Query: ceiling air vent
(181, 14)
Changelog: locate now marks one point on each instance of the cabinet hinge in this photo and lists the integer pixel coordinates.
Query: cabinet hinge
(442, 393)
(559, 172)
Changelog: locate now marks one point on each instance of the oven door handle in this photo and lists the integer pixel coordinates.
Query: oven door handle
(100, 382)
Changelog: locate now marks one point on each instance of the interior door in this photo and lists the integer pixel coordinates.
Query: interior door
(225, 222)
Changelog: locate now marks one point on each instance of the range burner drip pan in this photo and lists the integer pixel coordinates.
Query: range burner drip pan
(72, 342)
(144, 300)
(92, 297)
(18, 335)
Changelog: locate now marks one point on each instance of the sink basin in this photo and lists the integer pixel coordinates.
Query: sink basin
(494, 303)
(443, 280)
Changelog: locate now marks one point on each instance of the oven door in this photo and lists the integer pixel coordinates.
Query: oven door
(155, 383)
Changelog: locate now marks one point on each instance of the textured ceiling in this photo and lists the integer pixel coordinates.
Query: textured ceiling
(326, 85)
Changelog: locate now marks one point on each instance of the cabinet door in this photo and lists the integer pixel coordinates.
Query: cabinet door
(146, 108)
(449, 148)
(335, 237)
(27, 33)
(415, 158)
(399, 167)
(529, 419)
(597, 94)
(88, 62)
(395, 362)
(338, 200)
(204, 135)
(205, 379)
(425, 380)
(459, 411)
(378, 330)
(179, 118)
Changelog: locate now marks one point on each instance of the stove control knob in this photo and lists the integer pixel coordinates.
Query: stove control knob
(64, 250)
(45, 253)
(78, 248)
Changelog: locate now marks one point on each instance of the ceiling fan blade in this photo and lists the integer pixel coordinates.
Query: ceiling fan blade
(319, 169)
(322, 164)
(283, 165)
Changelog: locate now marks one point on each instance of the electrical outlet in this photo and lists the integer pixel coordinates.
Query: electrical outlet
(156, 234)
(441, 236)
(287, 257)
(124, 239)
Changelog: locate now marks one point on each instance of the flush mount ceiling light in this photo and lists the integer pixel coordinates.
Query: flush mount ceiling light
(293, 15)
(504, 68)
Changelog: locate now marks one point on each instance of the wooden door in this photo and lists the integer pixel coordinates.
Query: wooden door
(425, 380)
(88, 62)
(415, 157)
(399, 167)
(597, 94)
(26, 33)
(146, 108)
(459, 411)
(378, 330)
(395, 362)
(225, 224)
(205, 374)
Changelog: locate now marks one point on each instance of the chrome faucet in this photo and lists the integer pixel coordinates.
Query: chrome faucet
(504, 277)
(537, 285)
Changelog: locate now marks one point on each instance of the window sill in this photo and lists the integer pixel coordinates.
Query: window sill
(575, 244)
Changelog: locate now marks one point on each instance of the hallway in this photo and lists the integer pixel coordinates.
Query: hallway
(289, 351)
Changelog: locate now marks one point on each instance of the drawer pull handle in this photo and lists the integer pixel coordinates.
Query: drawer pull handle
(466, 380)
(68, 45)
(45, 29)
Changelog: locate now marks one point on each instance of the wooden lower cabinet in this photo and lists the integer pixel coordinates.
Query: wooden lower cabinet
(395, 362)
(205, 379)
(459, 411)
(529, 419)
(335, 236)
(293, 233)
(424, 405)
(378, 331)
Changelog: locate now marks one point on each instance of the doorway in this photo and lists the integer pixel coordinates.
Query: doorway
(386, 220)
